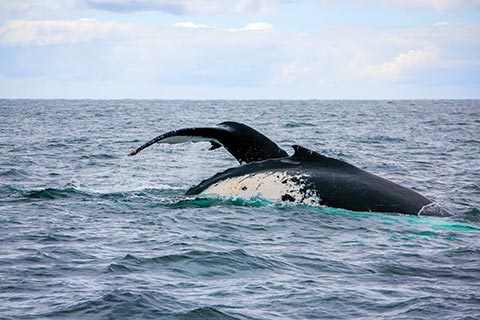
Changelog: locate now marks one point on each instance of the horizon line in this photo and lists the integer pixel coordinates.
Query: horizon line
(249, 99)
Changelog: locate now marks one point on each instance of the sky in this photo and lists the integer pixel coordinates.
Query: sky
(244, 49)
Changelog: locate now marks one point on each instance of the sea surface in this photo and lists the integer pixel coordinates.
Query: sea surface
(89, 233)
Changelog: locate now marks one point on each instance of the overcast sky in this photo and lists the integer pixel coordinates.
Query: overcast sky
(199, 49)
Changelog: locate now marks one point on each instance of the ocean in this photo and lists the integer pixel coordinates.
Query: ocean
(89, 233)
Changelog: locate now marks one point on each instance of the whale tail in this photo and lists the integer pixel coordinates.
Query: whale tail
(244, 143)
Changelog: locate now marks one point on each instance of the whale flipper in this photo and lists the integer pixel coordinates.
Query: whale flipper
(244, 143)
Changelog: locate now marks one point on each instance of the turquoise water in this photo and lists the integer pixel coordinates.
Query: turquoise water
(89, 233)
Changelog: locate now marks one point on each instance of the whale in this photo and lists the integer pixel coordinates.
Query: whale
(305, 178)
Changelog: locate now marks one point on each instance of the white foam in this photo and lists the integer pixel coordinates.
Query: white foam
(432, 209)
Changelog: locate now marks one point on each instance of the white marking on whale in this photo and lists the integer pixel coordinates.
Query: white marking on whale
(182, 139)
(276, 186)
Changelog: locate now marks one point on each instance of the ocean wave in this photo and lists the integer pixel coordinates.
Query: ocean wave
(207, 313)
(13, 192)
(120, 304)
(71, 191)
(199, 263)
(473, 215)
(52, 193)
(135, 304)
(379, 139)
(102, 156)
(14, 173)
(298, 125)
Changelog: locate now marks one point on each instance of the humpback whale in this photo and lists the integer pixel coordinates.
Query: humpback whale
(306, 177)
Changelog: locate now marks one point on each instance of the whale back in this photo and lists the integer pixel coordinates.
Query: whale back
(310, 178)
(344, 185)
(303, 154)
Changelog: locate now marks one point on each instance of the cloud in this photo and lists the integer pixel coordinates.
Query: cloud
(191, 25)
(355, 57)
(256, 26)
(401, 63)
(173, 7)
(292, 72)
(261, 7)
(55, 9)
(39, 9)
(184, 7)
(440, 5)
(24, 32)
(437, 5)
(329, 61)
(199, 54)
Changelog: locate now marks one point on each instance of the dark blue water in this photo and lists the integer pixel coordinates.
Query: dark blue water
(89, 233)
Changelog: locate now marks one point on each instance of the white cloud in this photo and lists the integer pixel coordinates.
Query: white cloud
(293, 72)
(260, 7)
(401, 63)
(256, 26)
(191, 25)
(339, 57)
(38, 9)
(183, 7)
(55, 9)
(439, 5)
(24, 33)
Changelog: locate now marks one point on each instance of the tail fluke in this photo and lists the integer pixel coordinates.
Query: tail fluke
(244, 143)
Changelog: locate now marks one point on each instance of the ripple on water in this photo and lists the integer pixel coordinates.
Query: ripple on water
(196, 263)
(129, 304)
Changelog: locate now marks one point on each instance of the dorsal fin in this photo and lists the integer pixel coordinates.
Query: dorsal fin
(304, 154)
(244, 143)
